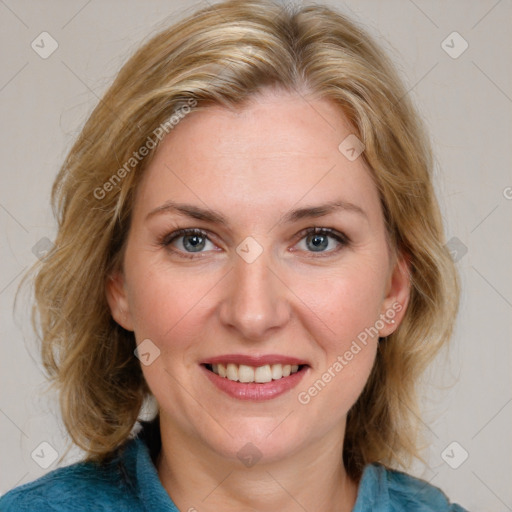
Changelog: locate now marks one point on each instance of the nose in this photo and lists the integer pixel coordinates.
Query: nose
(256, 303)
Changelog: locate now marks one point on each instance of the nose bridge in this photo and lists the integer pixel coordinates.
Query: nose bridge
(256, 301)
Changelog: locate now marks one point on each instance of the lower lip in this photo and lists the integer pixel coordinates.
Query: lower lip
(253, 390)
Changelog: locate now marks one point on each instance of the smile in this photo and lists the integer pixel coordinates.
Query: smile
(249, 374)
(255, 378)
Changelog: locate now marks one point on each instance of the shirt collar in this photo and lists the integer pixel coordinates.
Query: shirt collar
(151, 493)
(373, 492)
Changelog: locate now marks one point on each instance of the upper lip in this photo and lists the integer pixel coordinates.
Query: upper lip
(255, 361)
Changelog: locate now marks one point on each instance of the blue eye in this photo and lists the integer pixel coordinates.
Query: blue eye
(317, 242)
(322, 240)
(189, 241)
(193, 243)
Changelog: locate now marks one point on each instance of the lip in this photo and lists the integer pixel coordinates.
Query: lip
(254, 360)
(254, 391)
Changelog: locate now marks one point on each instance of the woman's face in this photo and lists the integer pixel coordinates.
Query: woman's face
(256, 249)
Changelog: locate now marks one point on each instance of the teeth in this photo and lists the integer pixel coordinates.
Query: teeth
(263, 374)
(245, 373)
(277, 371)
(260, 374)
(232, 372)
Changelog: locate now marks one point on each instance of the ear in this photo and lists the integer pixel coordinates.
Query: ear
(117, 300)
(397, 296)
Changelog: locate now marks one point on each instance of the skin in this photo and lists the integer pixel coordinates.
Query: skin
(253, 166)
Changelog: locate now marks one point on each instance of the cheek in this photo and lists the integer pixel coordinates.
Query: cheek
(170, 309)
(341, 314)
(343, 303)
(167, 305)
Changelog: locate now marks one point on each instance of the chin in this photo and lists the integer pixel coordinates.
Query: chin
(260, 440)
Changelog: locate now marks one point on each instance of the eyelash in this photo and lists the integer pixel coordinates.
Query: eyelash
(341, 238)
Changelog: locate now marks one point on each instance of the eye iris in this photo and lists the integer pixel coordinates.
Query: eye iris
(194, 243)
(318, 242)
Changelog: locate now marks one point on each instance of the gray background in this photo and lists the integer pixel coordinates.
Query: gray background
(467, 104)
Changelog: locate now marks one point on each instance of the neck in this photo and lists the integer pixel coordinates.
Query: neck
(199, 479)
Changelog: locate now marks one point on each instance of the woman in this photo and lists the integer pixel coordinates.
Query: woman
(247, 234)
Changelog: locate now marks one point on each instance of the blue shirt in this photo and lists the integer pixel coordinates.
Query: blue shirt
(131, 483)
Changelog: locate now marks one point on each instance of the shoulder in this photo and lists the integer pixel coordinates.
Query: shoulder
(407, 492)
(80, 487)
(389, 490)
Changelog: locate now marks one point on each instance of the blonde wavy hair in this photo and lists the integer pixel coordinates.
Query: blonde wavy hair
(223, 55)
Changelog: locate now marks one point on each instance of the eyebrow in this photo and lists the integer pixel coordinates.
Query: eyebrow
(321, 211)
(188, 210)
(206, 214)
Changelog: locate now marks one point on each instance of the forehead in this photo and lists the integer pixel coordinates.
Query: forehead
(280, 149)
